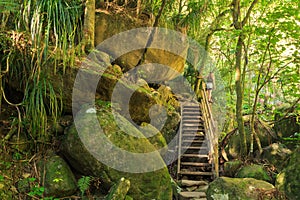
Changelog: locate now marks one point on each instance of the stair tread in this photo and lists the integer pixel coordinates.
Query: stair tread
(193, 135)
(196, 173)
(194, 147)
(192, 120)
(195, 155)
(194, 141)
(195, 164)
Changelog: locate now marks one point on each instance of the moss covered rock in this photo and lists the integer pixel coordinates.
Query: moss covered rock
(119, 190)
(253, 171)
(106, 28)
(276, 154)
(121, 134)
(231, 167)
(59, 180)
(237, 189)
(287, 180)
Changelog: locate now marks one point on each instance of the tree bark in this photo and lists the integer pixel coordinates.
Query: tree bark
(89, 25)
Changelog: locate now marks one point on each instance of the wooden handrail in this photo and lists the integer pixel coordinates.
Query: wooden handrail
(211, 129)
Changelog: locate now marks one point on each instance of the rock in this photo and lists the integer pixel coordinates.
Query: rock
(154, 184)
(191, 195)
(287, 126)
(106, 28)
(287, 180)
(237, 188)
(231, 167)
(276, 154)
(263, 131)
(189, 183)
(119, 190)
(59, 180)
(171, 125)
(253, 171)
(154, 136)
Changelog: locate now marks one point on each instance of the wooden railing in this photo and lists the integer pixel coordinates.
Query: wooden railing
(211, 129)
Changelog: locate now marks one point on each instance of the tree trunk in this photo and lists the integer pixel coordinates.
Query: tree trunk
(239, 96)
(89, 26)
(238, 25)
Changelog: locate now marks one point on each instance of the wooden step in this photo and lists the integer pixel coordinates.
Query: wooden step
(193, 141)
(194, 155)
(195, 164)
(193, 117)
(194, 147)
(189, 113)
(193, 135)
(192, 121)
(196, 173)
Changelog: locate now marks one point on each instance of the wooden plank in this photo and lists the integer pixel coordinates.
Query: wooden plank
(195, 164)
(195, 155)
(196, 173)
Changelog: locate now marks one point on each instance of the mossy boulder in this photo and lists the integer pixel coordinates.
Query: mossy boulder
(276, 154)
(154, 136)
(287, 180)
(106, 28)
(287, 126)
(264, 132)
(253, 171)
(231, 167)
(119, 190)
(238, 189)
(59, 181)
(152, 184)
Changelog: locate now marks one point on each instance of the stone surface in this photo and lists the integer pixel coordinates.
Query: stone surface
(106, 28)
(237, 189)
(191, 195)
(119, 190)
(189, 183)
(253, 171)
(149, 185)
(276, 154)
(231, 167)
(287, 180)
(59, 180)
(286, 127)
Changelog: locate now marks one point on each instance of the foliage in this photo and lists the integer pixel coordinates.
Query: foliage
(84, 184)
(36, 38)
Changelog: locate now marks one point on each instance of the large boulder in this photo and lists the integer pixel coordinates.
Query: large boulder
(253, 171)
(287, 126)
(106, 28)
(238, 188)
(287, 180)
(123, 135)
(119, 190)
(59, 180)
(263, 131)
(231, 167)
(276, 154)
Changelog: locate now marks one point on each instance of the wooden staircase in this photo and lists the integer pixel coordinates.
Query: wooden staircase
(194, 162)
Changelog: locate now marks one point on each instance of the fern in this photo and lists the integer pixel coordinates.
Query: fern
(84, 184)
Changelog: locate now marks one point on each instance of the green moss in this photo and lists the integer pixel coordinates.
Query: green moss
(253, 171)
(288, 180)
(236, 188)
(150, 185)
